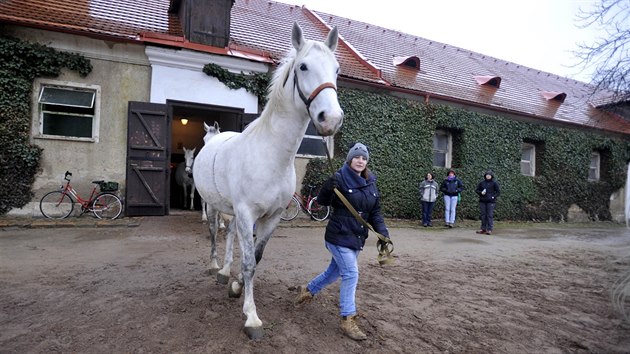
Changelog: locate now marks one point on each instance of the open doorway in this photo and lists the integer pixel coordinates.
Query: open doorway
(187, 131)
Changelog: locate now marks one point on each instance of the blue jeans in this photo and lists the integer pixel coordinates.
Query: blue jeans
(344, 264)
(450, 207)
(487, 215)
(427, 210)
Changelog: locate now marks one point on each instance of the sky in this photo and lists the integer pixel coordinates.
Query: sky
(540, 34)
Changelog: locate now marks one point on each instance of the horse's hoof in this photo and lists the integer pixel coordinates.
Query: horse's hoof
(222, 279)
(254, 332)
(235, 290)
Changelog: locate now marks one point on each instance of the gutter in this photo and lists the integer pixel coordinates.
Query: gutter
(69, 29)
(181, 42)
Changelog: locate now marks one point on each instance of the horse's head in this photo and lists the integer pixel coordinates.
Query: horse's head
(210, 131)
(315, 71)
(189, 158)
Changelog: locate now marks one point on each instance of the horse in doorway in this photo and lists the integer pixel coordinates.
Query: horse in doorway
(212, 130)
(184, 177)
(251, 175)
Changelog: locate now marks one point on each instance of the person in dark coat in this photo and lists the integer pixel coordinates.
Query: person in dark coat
(488, 190)
(345, 236)
(451, 187)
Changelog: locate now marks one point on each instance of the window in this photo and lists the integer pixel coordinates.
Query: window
(67, 112)
(442, 148)
(528, 159)
(593, 170)
(312, 143)
(408, 62)
(488, 80)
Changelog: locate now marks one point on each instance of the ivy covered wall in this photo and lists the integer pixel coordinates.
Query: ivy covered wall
(20, 63)
(400, 132)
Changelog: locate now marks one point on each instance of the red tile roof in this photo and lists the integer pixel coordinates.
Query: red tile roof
(260, 28)
(122, 19)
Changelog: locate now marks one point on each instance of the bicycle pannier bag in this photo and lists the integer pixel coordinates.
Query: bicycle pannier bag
(109, 186)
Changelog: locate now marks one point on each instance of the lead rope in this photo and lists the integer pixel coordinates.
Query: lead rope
(385, 248)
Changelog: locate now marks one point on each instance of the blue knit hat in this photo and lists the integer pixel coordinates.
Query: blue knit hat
(358, 150)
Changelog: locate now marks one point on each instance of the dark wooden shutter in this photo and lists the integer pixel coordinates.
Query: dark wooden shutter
(148, 157)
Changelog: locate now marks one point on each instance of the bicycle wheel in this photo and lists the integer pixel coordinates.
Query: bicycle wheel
(318, 212)
(56, 205)
(291, 211)
(107, 206)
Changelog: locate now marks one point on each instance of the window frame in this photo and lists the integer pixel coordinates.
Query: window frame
(313, 138)
(448, 158)
(39, 117)
(532, 161)
(596, 168)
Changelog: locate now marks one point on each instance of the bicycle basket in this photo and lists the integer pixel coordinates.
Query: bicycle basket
(109, 186)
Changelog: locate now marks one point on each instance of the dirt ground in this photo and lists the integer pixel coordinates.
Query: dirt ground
(543, 288)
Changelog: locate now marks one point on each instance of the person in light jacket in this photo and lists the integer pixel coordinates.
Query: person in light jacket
(488, 191)
(428, 196)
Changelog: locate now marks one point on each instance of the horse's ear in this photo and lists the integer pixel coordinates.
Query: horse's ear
(216, 125)
(194, 149)
(297, 37)
(333, 38)
(206, 126)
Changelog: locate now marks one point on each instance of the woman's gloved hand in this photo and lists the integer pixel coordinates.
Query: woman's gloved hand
(331, 183)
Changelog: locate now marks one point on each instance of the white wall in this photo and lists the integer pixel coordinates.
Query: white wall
(177, 75)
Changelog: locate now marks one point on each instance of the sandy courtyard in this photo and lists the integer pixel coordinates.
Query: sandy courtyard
(543, 288)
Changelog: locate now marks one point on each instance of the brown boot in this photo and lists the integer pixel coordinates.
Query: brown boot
(350, 328)
(304, 295)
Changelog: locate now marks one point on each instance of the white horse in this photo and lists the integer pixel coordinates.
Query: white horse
(184, 178)
(211, 131)
(251, 175)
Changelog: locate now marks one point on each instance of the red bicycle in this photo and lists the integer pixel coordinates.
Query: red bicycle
(59, 204)
(308, 204)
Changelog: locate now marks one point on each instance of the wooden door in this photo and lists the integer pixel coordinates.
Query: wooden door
(148, 157)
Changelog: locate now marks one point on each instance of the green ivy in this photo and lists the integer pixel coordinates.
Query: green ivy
(399, 133)
(256, 83)
(20, 63)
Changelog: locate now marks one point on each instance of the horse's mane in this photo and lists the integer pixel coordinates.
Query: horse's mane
(275, 91)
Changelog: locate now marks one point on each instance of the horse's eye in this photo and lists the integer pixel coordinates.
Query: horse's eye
(303, 67)
(337, 71)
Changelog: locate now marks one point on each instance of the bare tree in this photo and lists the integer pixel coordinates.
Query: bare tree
(609, 55)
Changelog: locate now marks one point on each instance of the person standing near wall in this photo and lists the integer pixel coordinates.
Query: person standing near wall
(428, 196)
(451, 188)
(488, 191)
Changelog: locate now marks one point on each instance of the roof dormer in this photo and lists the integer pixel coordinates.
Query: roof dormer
(554, 96)
(412, 62)
(488, 80)
(204, 22)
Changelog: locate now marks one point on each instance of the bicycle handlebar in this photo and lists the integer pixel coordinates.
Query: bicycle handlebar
(66, 176)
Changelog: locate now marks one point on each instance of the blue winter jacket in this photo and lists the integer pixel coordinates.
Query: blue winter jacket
(492, 188)
(452, 187)
(343, 229)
